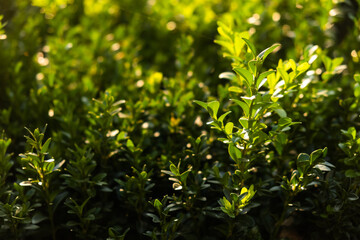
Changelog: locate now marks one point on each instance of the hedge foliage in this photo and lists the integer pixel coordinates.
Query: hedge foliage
(148, 119)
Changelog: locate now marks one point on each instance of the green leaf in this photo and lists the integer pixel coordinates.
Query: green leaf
(284, 121)
(174, 170)
(262, 78)
(315, 155)
(144, 175)
(111, 232)
(238, 42)
(31, 227)
(245, 74)
(184, 176)
(234, 152)
(228, 75)
(351, 173)
(229, 128)
(234, 197)
(227, 45)
(45, 146)
(168, 172)
(322, 167)
(243, 105)
(155, 218)
(272, 81)
(158, 205)
(253, 66)
(284, 75)
(294, 180)
(303, 159)
(352, 132)
(357, 90)
(353, 197)
(250, 46)
(226, 30)
(59, 165)
(327, 62)
(325, 151)
(49, 166)
(130, 145)
(82, 205)
(302, 68)
(213, 108)
(328, 164)
(227, 203)
(244, 122)
(267, 51)
(202, 104)
(345, 148)
(58, 199)
(235, 89)
(281, 112)
(291, 64)
(357, 78)
(72, 223)
(38, 217)
(224, 33)
(336, 62)
(222, 117)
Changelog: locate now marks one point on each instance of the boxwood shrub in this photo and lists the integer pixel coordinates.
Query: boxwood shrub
(179, 119)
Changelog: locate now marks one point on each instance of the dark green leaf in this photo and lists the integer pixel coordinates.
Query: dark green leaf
(234, 152)
(38, 217)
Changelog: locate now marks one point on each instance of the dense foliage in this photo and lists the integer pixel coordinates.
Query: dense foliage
(148, 119)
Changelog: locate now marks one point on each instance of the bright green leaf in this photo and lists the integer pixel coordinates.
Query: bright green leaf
(213, 108)
(229, 128)
(245, 74)
(158, 205)
(244, 122)
(235, 89)
(174, 170)
(250, 46)
(253, 66)
(267, 51)
(222, 117)
(243, 105)
(260, 81)
(202, 104)
(357, 78)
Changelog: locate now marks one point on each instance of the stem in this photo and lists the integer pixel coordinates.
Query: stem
(253, 92)
(250, 113)
(275, 233)
(14, 225)
(50, 209)
(45, 185)
(231, 228)
(51, 218)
